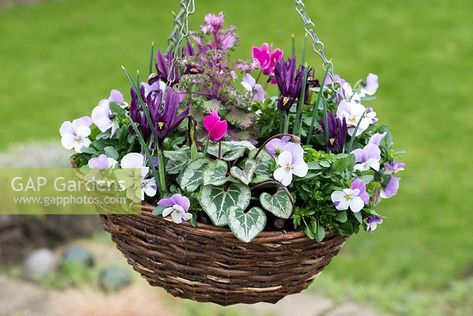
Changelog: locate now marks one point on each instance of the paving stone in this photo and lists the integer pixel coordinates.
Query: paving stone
(352, 309)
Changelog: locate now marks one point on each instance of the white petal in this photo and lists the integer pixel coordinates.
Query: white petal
(283, 176)
(247, 86)
(284, 159)
(83, 131)
(300, 169)
(356, 204)
(167, 211)
(68, 141)
(101, 118)
(176, 217)
(361, 167)
(187, 216)
(85, 120)
(287, 179)
(342, 205)
(66, 128)
(150, 187)
(337, 196)
(132, 161)
(373, 163)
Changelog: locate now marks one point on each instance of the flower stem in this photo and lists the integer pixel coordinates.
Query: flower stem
(206, 148)
(286, 123)
(296, 130)
(316, 104)
(220, 150)
(259, 75)
(162, 169)
(350, 144)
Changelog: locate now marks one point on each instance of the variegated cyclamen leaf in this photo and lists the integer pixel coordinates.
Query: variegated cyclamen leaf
(264, 168)
(279, 204)
(176, 161)
(231, 151)
(245, 175)
(216, 173)
(246, 226)
(192, 177)
(217, 200)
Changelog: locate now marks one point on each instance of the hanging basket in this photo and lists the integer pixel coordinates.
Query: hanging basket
(208, 264)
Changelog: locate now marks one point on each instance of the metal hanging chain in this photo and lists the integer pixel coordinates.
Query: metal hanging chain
(317, 45)
(181, 25)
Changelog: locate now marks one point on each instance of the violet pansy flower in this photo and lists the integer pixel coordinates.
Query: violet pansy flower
(178, 207)
(102, 115)
(372, 223)
(393, 168)
(291, 162)
(267, 58)
(361, 186)
(75, 134)
(276, 145)
(377, 138)
(391, 188)
(367, 158)
(250, 85)
(102, 162)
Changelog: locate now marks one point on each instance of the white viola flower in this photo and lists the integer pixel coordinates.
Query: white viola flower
(346, 93)
(103, 117)
(348, 199)
(290, 161)
(137, 161)
(102, 162)
(353, 112)
(75, 134)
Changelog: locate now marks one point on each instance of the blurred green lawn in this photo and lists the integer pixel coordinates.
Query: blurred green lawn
(59, 58)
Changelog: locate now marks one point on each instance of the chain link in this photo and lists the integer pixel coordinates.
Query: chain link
(317, 45)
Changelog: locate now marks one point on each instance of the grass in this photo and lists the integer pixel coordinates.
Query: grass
(59, 58)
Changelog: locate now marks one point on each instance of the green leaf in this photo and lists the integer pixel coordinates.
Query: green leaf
(158, 210)
(309, 233)
(320, 234)
(343, 162)
(246, 226)
(245, 175)
(313, 165)
(264, 168)
(192, 177)
(176, 160)
(324, 163)
(367, 178)
(231, 151)
(216, 201)
(358, 217)
(216, 173)
(111, 152)
(279, 204)
(89, 150)
(342, 217)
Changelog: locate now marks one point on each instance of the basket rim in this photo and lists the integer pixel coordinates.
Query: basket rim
(225, 232)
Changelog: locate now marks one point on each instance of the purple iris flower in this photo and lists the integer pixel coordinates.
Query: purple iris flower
(164, 113)
(372, 223)
(289, 80)
(393, 168)
(337, 132)
(165, 64)
(360, 185)
(178, 207)
(391, 188)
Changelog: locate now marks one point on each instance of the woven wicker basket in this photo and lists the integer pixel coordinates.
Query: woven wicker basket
(208, 264)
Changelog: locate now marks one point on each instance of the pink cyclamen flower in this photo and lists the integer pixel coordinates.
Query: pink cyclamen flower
(267, 57)
(215, 126)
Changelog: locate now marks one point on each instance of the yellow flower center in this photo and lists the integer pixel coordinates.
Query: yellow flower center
(160, 125)
(348, 197)
(285, 101)
(288, 167)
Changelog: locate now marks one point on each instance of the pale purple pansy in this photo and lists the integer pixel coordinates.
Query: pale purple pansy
(391, 188)
(178, 207)
(102, 115)
(370, 86)
(367, 158)
(393, 168)
(75, 134)
(291, 162)
(372, 223)
(356, 115)
(250, 85)
(276, 145)
(377, 138)
(102, 162)
(361, 186)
